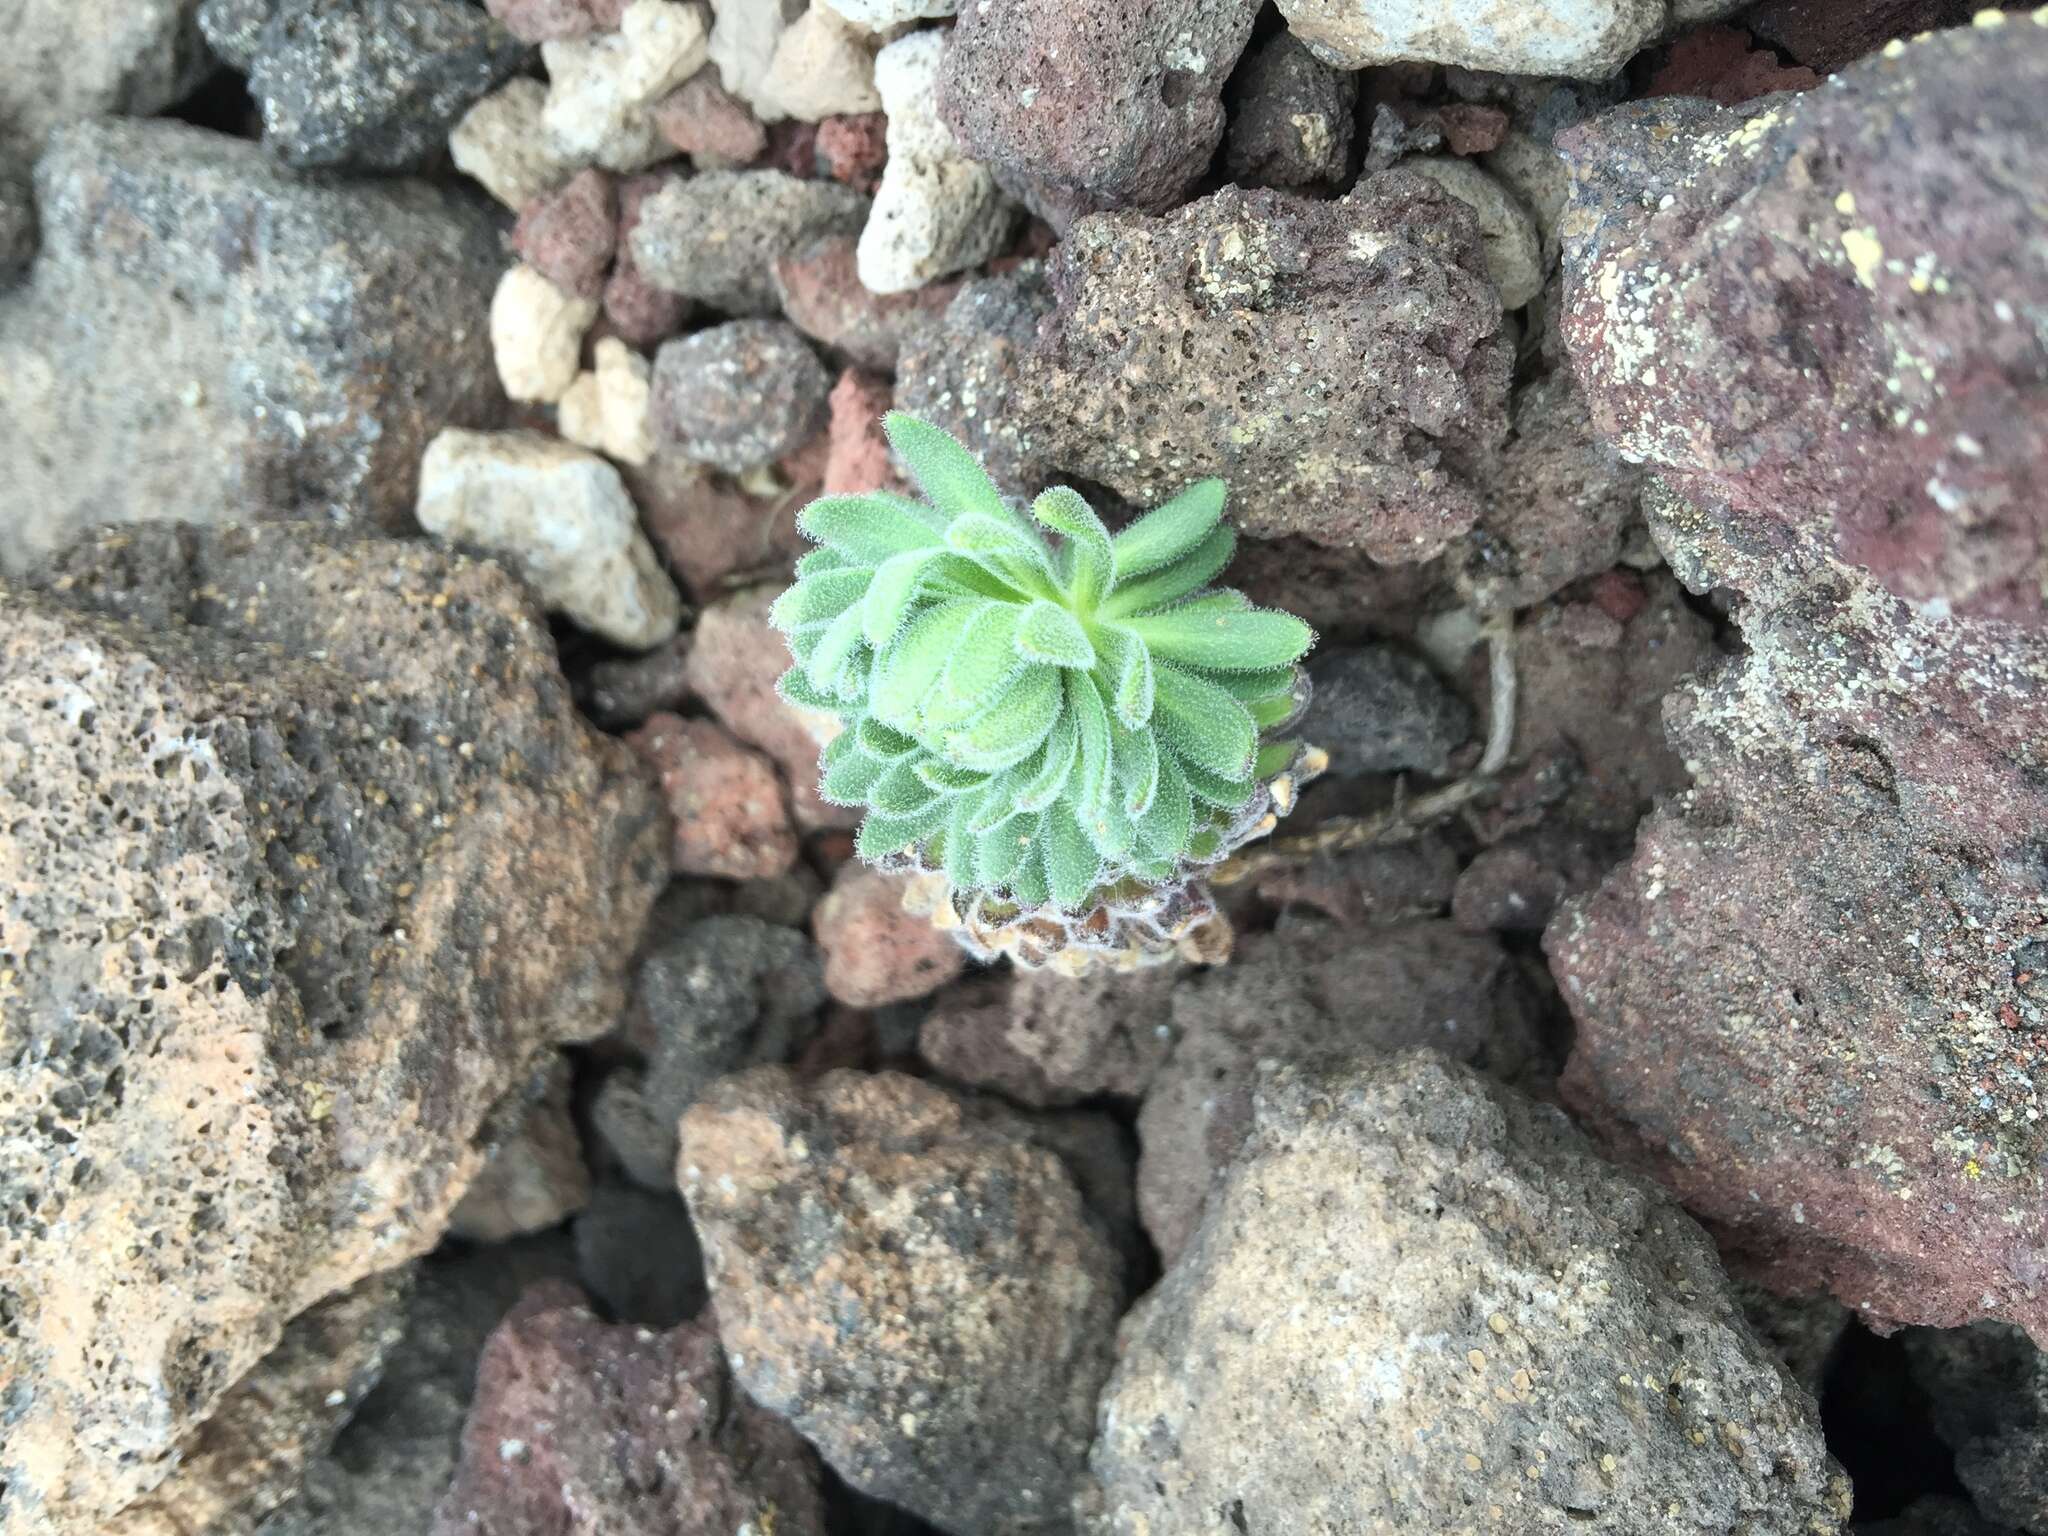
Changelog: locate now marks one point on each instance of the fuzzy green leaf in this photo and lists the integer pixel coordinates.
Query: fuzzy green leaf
(818, 561)
(819, 599)
(984, 659)
(1071, 862)
(1000, 848)
(1167, 822)
(1247, 641)
(1048, 633)
(1170, 583)
(1204, 724)
(951, 476)
(869, 528)
(1247, 686)
(1275, 757)
(961, 856)
(909, 665)
(850, 776)
(1136, 765)
(902, 790)
(957, 575)
(890, 594)
(1110, 829)
(998, 802)
(800, 691)
(1010, 550)
(1212, 789)
(881, 836)
(1027, 880)
(1215, 600)
(1169, 530)
(1126, 676)
(1091, 723)
(1091, 564)
(1048, 769)
(1012, 726)
(834, 649)
(878, 740)
(947, 779)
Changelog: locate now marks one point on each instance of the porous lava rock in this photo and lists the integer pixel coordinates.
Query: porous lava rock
(248, 1457)
(1316, 991)
(308, 863)
(918, 1284)
(1812, 1001)
(1341, 365)
(1088, 106)
(208, 337)
(1420, 1303)
(1817, 309)
(586, 1428)
(390, 1465)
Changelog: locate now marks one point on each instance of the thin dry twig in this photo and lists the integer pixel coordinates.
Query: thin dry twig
(1405, 818)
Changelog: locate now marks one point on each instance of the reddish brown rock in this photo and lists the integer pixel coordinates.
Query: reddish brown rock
(710, 124)
(734, 666)
(1081, 107)
(725, 800)
(1817, 310)
(585, 1428)
(712, 533)
(1559, 502)
(1471, 129)
(853, 149)
(1377, 446)
(641, 314)
(858, 458)
(1516, 885)
(1046, 1040)
(793, 148)
(568, 235)
(1723, 64)
(875, 952)
(542, 21)
(1812, 1001)
(1827, 34)
(1619, 593)
(1591, 691)
(1291, 118)
(920, 1283)
(823, 296)
(960, 367)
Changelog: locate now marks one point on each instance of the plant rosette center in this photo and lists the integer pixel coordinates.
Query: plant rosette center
(1041, 711)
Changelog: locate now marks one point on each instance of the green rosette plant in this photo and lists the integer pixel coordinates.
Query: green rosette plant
(1054, 725)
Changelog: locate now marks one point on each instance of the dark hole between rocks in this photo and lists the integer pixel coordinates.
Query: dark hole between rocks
(1880, 1426)
(222, 102)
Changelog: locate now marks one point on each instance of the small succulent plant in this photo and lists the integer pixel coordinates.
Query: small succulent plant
(1066, 732)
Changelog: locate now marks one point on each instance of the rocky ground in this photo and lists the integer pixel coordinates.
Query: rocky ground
(453, 1076)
